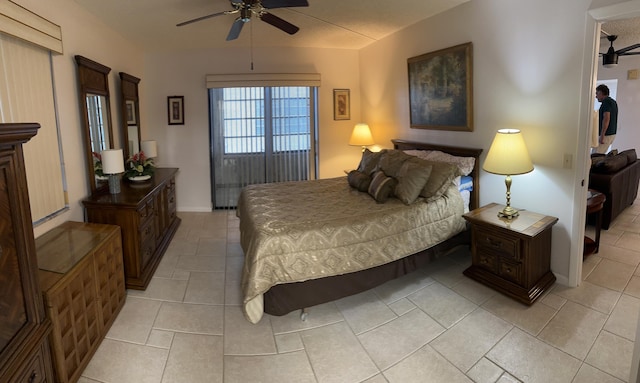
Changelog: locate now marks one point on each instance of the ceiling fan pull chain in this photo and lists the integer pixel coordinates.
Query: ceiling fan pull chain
(251, 43)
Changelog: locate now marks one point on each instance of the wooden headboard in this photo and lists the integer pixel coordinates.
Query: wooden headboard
(474, 201)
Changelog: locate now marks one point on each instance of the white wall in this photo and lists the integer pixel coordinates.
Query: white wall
(628, 98)
(528, 60)
(82, 34)
(187, 146)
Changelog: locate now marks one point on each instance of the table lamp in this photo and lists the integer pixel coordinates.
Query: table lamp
(113, 166)
(508, 156)
(361, 136)
(150, 148)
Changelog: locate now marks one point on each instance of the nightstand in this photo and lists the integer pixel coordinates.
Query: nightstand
(511, 256)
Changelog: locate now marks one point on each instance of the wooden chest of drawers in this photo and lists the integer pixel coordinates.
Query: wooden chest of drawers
(511, 256)
(82, 279)
(146, 212)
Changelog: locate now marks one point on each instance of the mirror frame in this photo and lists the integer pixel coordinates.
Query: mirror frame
(129, 92)
(93, 78)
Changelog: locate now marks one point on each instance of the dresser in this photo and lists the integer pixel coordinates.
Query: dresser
(146, 214)
(82, 279)
(24, 328)
(511, 255)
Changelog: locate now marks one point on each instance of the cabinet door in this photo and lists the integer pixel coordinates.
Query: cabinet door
(110, 279)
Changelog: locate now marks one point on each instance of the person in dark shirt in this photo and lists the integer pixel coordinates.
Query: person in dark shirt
(607, 119)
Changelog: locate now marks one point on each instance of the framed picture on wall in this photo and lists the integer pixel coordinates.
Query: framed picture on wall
(441, 89)
(175, 109)
(341, 104)
(131, 112)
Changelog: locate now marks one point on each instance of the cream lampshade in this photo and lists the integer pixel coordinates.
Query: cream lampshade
(150, 148)
(113, 165)
(361, 136)
(508, 156)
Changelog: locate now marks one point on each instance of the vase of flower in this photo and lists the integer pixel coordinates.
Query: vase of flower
(139, 167)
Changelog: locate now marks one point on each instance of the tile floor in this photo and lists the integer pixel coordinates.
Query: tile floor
(434, 325)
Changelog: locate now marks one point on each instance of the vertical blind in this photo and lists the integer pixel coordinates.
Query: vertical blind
(26, 95)
(258, 135)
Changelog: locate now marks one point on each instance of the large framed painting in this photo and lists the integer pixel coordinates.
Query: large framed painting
(441, 89)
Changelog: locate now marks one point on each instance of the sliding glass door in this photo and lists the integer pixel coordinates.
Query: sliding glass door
(259, 135)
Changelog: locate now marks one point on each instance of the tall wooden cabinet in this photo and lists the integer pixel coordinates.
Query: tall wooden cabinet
(24, 348)
(146, 213)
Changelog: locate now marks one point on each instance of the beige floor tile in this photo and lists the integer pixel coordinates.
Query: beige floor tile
(194, 359)
(633, 287)
(554, 301)
(87, 380)
(289, 342)
(166, 267)
(364, 311)
(611, 274)
(201, 263)
(123, 362)
(532, 360)
(234, 249)
(336, 355)
(532, 319)
(162, 289)
(401, 287)
(181, 275)
(183, 317)
(610, 237)
(233, 280)
(402, 306)
(242, 337)
(196, 234)
(133, 323)
(442, 304)
(611, 354)
(629, 241)
(623, 321)
(589, 264)
(474, 291)
(289, 367)
(425, 365)
(574, 329)
(589, 374)
(619, 254)
(633, 227)
(207, 288)
(507, 378)
(461, 255)
(376, 379)
(160, 338)
(318, 316)
(397, 339)
(485, 371)
(212, 247)
(466, 342)
(451, 275)
(590, 295)
(182, 247)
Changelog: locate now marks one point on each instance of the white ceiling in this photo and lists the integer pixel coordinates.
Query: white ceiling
(347, 24)
(628, 32)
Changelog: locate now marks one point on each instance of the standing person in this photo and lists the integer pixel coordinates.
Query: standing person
(607, 119)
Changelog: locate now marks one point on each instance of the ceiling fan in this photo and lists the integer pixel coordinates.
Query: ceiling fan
(259, 8)
(610, 59)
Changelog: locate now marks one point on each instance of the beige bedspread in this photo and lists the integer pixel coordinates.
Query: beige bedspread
(295, 231)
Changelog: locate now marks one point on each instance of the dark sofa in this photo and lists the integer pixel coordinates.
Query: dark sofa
(617, 177)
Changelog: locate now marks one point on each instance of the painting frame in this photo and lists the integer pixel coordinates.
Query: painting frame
(175, 110)
(130, 112)
(441, 89)
(341, 104)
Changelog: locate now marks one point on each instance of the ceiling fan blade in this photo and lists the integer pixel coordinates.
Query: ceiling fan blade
(235, 30)
(279, 23)
(630, 53)
(200, 18)
(629, 48)
(271, 4)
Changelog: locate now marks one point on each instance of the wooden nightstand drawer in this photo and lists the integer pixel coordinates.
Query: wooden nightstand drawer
(510, 270)
(486, 260)
(506, 246)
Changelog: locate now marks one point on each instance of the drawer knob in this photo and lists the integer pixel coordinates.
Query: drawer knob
(33, 377)
(494, 242)
(508, 269)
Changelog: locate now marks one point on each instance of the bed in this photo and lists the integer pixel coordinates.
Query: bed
(312, 242)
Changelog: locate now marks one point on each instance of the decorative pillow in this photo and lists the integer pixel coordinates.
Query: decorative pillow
(369, 161)
(442, 176)
(411, 180)
(464, 163)
(359, 180)
(631, 155)
(381, 187)
(610, 164)
(418, 153)
(391, 162)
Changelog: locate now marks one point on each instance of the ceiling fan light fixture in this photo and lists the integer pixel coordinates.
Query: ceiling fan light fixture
(609, 60)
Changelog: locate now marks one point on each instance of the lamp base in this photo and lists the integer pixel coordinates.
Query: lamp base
(508, 212)
(114, 183)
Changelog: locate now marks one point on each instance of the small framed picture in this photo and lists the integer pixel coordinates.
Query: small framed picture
(175, 108)
(341, 104)
(130, 106)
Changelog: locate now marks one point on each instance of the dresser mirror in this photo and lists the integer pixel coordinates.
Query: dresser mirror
(130, 113)
(93, 83)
